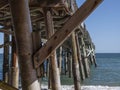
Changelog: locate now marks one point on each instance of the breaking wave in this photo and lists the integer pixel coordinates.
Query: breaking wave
(71, 87)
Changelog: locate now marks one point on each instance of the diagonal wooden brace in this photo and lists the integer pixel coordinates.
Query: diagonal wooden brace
(61, 35)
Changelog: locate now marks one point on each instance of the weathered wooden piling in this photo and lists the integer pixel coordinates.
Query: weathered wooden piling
(76, 73)
(14, 76)
(60, 59)
(6, 59)
(86, 64)
(70, 64)
(36, 38)
(66, 62)
(81, 67)
(90, 54)
(93, 54)
(23, 31)
(49, 75)
(54, 66)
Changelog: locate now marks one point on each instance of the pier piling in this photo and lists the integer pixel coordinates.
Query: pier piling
(76, 73)
(23, 34)
(55, 76)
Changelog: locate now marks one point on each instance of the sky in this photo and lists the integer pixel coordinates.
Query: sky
(103, 25)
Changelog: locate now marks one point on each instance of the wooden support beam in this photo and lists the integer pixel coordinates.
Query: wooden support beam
(76, 73)
(82, 73)
(55, 80)
(93, 54)
(90, 53)
(5, 44)
(85, 59)
(70, 64)
(49, 75)
(60, 59)
(5, 18)
(66, 63)
(14, 80)
(49, 26)
(6, 59)
(47, 3)
(3, 4)
(36, 36)
(7, 31)
(23, 34)
(61, 35)
(37, 3)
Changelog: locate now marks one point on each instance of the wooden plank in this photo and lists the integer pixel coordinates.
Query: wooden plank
(61, 35)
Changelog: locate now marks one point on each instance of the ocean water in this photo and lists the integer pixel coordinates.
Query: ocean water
(106, 76)
(107, 72)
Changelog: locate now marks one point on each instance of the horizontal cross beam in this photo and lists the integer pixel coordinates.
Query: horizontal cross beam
(6, 31)
(47, 3)
(37, 3)
(5, 44)
(61, 35)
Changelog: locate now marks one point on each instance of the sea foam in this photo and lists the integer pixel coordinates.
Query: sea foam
(71, 87)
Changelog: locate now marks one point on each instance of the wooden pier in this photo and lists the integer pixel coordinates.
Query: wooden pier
(47, 39)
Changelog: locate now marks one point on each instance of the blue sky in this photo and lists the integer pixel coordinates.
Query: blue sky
(103, 25)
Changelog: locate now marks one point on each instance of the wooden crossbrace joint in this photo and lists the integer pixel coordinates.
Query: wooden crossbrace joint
(7, 30)
(5, 44)
(61, 35)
